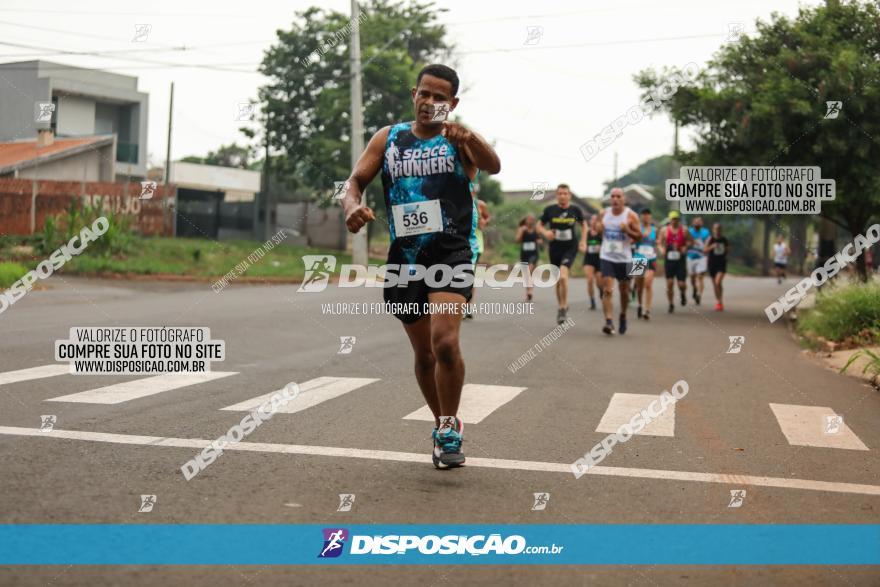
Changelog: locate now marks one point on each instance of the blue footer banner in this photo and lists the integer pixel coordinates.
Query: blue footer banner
(269, 544)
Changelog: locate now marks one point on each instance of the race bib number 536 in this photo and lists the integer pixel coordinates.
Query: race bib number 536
(417, 218)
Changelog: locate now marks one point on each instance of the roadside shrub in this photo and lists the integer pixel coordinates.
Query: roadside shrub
(849, 312)
(10, 273)
(59, 229)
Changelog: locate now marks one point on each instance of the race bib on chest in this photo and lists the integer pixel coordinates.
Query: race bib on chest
(645, 250)
(673, 255)
(592, 249)
(417, 218)
(528, 246)
(719, 249)
(563, 234)
(613, 247)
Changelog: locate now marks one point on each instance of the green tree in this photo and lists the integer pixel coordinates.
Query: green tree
(306, 103)
(762, 101)
(489, 189)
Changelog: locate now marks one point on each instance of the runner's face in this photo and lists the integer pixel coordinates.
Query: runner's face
(646, 219)
(698, 223)
(563, 197)
(431, 90)
(616, 201)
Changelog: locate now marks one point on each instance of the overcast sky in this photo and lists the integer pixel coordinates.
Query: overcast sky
(538, 101)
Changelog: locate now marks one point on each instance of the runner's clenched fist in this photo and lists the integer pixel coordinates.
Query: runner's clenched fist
(358, 218)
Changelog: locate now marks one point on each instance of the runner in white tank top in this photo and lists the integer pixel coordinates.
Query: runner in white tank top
(780, 258)
(620, 227)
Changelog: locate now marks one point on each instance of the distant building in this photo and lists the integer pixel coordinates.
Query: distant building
(213, 201)
(76, 102)
(637, 196)
(45, 157)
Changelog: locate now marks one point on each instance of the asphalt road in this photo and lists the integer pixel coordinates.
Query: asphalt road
(725, 436)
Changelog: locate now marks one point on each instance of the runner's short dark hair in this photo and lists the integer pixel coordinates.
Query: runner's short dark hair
(443, 72)
(563, 185)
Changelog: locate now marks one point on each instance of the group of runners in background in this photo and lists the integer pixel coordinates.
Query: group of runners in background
(620, 245)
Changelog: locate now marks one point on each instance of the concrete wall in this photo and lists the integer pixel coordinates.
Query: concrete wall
(19, 90)
(91, 165)
(311, 225)
(76, 116)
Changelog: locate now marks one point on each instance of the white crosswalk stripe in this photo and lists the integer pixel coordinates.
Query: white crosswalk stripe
(815, 426)
(477, 402)
(622, 408)
(311, 393)
(130, 390)
(52, 370)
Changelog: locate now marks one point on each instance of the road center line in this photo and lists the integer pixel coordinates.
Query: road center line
(384, 455)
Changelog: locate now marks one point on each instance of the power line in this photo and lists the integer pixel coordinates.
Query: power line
(595, 44)
(103, 56)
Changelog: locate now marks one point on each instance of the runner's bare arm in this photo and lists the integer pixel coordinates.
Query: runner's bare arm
(548, 234)
(477, 152)
(661, 243)
(366, 168)
(519, 233)
(483, 208)
(582, 246)
(632, 227)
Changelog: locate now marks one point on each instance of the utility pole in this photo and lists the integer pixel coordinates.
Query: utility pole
(615, 169)
(267, 200)
(359, 241)
(673, 166)
(168, 163)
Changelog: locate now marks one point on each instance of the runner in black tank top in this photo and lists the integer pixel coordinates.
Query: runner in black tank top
(591, 260)
(529, 239)
(427, 167)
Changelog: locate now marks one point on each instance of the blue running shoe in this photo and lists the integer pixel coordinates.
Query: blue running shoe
(447, 443)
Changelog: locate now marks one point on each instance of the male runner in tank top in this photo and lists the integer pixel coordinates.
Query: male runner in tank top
(646, 249)
(558, 224)
(620, 228)
(780, 258)
(696, 258)
(427, 169)
(673, 245)
(592, 264)
(529, 239)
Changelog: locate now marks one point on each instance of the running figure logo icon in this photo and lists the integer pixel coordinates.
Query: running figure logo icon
(541, 500)
(833, 424)
(141, 32)
(735, 30)
(147, 503)
(834, 107)
(638, 267)
(533, 35)
(737, 497)
(538, 189)
(440, 111)
(43, 111)
(318, 270)
(339, 189)
(47, 423)
(346, 500)
(148, 189)
(346, 344)
(334, 541)
(244, 111)
(736, 344)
